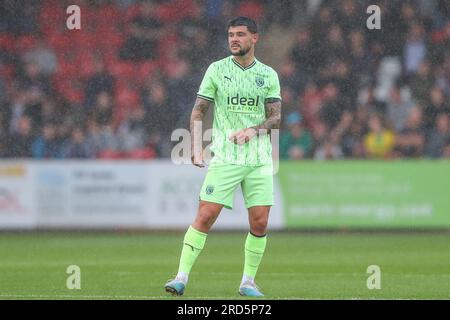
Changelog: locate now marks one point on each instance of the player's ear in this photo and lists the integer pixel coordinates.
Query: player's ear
(255, 37)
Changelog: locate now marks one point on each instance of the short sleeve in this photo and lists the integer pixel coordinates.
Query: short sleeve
(208, 88)
(274, 89)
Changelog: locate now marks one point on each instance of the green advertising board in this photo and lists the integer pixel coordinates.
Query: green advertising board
(366, 194)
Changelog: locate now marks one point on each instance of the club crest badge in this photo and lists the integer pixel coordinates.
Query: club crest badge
(259, 81)
(209, 189)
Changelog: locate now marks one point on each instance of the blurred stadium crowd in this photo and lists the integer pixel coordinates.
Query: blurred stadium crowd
(118, 87)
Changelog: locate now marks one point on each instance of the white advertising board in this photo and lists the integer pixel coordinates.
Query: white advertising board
(110, 194)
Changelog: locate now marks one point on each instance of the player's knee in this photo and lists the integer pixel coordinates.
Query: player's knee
(206, 217)
(258, 226)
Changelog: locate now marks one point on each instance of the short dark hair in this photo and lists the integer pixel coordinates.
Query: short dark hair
(244, 21)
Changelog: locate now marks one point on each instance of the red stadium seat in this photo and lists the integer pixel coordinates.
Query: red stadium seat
(61, 42)
(131, 12)
(177, 10)
(110, 154)
(67, 69)
(145, 153)
(126, 98)
(121, 69)
(24, 43)
(85, 40)
(252, 9)
(145, 70)
(85, 63)
(6, 42)
(110, 38)
(7, 71)
(108, 15)
(52, 16)
(71, 89)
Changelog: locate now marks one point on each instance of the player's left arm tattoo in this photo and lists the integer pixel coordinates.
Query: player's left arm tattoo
(273, 120)
(273, 115)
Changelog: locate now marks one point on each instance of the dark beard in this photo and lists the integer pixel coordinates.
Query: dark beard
(241, 52)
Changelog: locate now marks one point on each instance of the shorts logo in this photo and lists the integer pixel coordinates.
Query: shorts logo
(259, 81)
(209, 189)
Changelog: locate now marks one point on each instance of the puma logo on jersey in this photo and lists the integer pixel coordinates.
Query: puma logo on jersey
(228, 78)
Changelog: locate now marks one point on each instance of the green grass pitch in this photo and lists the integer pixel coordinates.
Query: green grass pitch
(125, 265)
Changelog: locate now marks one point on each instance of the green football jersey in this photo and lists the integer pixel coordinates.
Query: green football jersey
(239, 94)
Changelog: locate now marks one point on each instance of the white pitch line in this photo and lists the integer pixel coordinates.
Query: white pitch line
(78, 296)
(132, 297)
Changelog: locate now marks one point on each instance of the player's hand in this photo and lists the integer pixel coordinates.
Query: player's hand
(243, 136)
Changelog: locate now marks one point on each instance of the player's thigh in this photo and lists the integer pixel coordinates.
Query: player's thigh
(257, 187)
(220, 183)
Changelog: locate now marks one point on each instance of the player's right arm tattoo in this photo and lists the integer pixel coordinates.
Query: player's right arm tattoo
(201, 106)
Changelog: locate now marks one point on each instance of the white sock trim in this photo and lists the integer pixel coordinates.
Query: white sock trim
(183, 277)
(246, 278)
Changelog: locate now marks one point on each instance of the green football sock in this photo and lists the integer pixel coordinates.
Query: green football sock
(193, 244)
(254, 251)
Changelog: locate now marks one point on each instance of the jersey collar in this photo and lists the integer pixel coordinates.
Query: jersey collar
(242, 67)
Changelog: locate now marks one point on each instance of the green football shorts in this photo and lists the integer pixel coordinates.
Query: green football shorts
(222, 180)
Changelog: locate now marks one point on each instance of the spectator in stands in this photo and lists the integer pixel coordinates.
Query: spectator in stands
(21, 141)
(77, 147)
(145, 31)
(43, 57)
(361, 67)
(4, 136)
(348, 17)
(435, 105)
(34, 81)
(446, 151)
(17, 108)
(333, 107)
(290, 103)
(329, 149)
(367, 99)
(409, 141)
(302, 55)
(181, 80)
(439, 137)
(297, 142)
(334, 46)
(421, 83)
(399, 106)
(47, 145)
(100, 81)
(194, 44)
(132, 132)
(443, 73)
(335, 68)
(290, 79)
(4, 153)
(415, 49)
(2, 90)
(352, 144)
(159, 116)
(311, 100)
(103, 139)
(319, 28)
(103, 109)
(379, 141)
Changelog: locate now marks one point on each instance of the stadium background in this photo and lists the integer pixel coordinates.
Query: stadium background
(86, 118)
